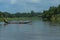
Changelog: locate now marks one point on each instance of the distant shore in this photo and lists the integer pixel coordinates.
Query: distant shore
(21, 18)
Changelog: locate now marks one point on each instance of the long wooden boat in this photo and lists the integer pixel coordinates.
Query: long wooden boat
(17, 22)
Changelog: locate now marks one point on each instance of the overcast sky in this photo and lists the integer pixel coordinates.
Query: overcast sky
(27, 5)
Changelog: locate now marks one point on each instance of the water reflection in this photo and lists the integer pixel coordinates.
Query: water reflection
(38, 30)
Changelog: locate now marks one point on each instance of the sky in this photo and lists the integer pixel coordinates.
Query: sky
(27, 5)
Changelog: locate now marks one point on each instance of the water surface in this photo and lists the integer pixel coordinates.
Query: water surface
(37, 30)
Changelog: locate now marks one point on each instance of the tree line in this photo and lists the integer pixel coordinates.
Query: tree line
(18, 14)
(52, 13)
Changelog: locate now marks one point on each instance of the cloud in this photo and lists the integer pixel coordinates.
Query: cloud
(34, 1)
(24, 1)
(56, 2)
(13, 1)
(27, 5)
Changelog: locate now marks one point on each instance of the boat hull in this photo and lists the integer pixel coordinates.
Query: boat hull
(18, 22)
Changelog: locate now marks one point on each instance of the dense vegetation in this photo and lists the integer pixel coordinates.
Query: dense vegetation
(18, 14)
(52, 14)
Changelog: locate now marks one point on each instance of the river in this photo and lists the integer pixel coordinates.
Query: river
(37, 30)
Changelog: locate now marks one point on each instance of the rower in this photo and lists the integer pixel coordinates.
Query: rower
(6, 21)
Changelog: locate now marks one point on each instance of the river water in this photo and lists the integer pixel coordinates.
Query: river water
(37, 30)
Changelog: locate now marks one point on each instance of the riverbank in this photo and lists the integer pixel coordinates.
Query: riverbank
(21, 18)
(53, 19)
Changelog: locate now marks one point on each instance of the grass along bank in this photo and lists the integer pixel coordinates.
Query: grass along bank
(21, 18)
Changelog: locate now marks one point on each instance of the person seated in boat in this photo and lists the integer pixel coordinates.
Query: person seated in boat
(5, 21)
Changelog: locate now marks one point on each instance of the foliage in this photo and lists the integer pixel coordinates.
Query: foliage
(53, 12)
(18, 14)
